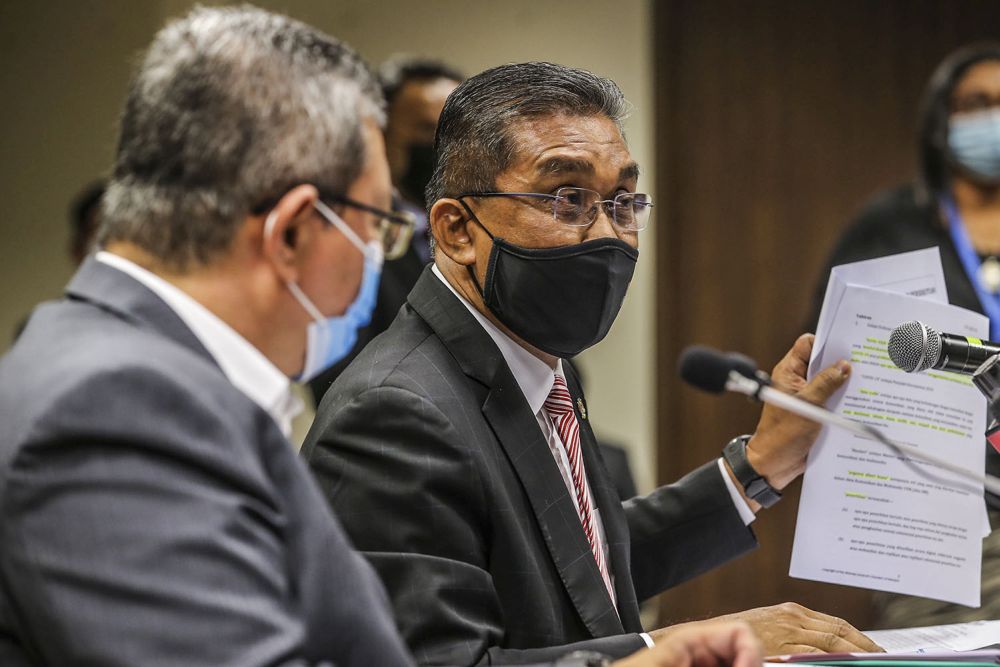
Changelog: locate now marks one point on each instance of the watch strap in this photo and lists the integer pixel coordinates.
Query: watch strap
(753, 483)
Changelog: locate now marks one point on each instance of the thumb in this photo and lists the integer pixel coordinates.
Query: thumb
(829, 380)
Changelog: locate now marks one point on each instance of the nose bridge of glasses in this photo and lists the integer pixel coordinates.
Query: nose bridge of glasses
(617, 213)
(598, 225)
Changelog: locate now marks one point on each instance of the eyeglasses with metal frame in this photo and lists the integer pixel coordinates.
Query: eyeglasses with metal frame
(577, 207)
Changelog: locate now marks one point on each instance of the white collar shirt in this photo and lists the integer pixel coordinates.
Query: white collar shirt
(244, 365)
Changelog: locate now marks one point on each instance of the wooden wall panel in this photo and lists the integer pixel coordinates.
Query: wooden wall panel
(776, 121)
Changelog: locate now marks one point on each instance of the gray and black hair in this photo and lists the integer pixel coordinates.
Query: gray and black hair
(232, 107)
(475, 142)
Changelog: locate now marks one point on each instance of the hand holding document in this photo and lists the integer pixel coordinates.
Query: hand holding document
(869, 516)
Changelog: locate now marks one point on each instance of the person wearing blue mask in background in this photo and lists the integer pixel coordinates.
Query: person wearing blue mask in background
(954, 205)
(955, 201)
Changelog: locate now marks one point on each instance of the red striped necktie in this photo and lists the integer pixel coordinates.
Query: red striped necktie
(559, 406)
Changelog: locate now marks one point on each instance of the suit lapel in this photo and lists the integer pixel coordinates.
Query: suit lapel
(612, 515)
(508, 414)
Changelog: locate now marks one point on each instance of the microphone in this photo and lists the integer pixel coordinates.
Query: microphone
(713, 371)
(709, 369)
(914, 347)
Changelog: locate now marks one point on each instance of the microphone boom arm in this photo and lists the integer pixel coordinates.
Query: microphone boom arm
(743, 385)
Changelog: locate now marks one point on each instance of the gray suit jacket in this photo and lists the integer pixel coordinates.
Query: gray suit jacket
(433, 461)
(152, 514)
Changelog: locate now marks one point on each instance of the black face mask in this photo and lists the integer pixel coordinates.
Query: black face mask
(419, 170)
(560, 300)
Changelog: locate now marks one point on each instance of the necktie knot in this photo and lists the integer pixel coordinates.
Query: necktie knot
(559, 402)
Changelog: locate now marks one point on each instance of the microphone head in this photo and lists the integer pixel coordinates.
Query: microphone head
(914, 346)
(708, 369)
(744, 365)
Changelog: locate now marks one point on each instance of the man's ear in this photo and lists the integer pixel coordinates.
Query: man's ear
(286, 232)
(449, 222)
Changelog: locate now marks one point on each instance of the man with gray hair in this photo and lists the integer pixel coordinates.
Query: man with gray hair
(456, 449)
(152, 510)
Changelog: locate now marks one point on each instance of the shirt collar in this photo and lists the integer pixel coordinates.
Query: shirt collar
(242, 363)
(533, 375)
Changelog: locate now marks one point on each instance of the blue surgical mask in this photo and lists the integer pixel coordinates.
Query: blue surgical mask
(974, 142)
(330, 339)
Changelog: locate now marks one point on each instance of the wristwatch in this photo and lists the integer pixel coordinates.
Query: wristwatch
(583, 659)
(755, 486)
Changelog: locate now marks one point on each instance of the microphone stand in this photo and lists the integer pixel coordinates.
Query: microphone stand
(758, 389)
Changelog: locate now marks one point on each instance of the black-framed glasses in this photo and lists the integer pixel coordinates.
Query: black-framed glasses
(577, 207)
(394, 229)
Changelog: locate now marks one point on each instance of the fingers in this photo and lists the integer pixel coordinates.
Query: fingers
(826, 382)
(792, 628)
(802, 348)
(841, 635)
(825, 633)
(816, 641)
(746, 649)
(780, 629)
(790, 373)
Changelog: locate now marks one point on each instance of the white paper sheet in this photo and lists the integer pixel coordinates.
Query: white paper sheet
(917, 273)
(869, 517)
(954, 637)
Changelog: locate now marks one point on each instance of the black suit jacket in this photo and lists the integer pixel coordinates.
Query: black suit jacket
(152, 514)
(435, 464)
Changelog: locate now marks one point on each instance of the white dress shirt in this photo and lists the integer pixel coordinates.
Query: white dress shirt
(242, 363)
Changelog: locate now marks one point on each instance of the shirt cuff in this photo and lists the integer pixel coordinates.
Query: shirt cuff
(741, 505)
(646, 638)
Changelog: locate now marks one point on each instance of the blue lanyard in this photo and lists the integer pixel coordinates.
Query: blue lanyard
(970, 262)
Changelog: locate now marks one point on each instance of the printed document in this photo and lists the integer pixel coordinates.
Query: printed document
(870, 516)
(953, 637)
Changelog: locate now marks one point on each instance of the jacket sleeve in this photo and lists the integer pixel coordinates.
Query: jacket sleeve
(133, 533)
(684, 529)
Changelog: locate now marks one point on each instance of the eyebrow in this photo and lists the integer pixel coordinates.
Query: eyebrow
(565, 165)
(629, 172)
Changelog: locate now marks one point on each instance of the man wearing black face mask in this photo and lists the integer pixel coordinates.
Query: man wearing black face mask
(456, 448)
(415, 90)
